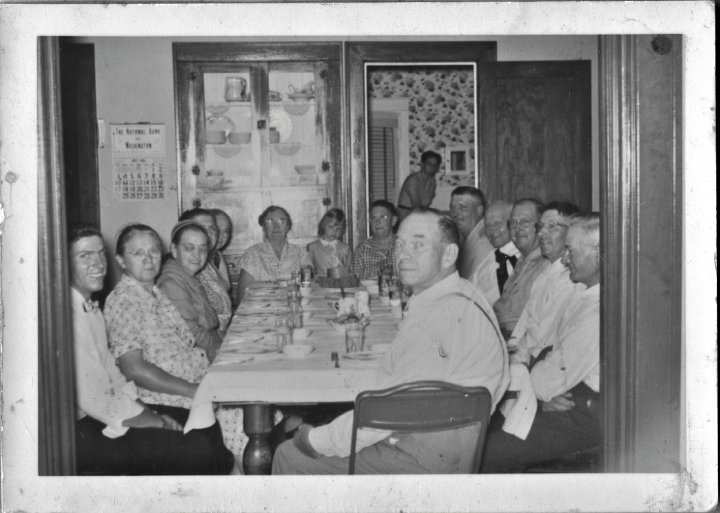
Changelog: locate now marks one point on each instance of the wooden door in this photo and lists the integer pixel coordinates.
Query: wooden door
(77, 90)
(535, 138)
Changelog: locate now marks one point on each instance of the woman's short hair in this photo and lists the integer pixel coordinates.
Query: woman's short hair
(270, 210)
(80, 231)
(384, 204)
(216, 212)
(191, 214)
(334, 214)
(186, 226)
(128, 232)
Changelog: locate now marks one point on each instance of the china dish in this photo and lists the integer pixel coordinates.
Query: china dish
(301, 333)
(379, 348)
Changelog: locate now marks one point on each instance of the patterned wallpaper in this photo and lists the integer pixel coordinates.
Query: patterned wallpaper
(441, 108)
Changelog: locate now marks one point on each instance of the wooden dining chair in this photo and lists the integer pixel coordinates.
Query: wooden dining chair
(421, 407)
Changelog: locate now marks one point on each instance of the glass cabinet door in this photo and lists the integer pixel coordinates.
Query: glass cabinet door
(259, 133)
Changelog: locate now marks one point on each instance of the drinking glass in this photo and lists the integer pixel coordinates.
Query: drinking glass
(354, 339)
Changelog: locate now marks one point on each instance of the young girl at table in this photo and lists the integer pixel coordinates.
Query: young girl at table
(329, 251)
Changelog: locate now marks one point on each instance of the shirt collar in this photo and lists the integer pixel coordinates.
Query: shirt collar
(139, 288)
(509, 249)
(80, 303)
(444, 286)
(328, 242)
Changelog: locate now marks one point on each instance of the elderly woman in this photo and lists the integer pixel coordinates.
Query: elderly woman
(215, 286)
(150, 339)
(274, 258)
(179, 282)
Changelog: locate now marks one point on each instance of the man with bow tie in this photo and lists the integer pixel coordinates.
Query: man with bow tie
(495, 269)
(116, 433)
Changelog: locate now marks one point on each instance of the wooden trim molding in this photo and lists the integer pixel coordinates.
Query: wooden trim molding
(641, 198)
(56, 367)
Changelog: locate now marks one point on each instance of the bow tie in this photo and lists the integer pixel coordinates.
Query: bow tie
(90, 306)
(501, 258)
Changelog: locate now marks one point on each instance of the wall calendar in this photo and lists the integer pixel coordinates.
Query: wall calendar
(138, 161)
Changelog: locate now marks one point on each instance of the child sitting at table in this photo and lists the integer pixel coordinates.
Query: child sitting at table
(329, 251)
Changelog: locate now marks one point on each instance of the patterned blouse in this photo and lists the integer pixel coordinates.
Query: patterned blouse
(263, 264)
(137, 319)
(217, 294)
(368, 259)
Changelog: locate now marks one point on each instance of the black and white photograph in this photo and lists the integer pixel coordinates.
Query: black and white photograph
(347, 256)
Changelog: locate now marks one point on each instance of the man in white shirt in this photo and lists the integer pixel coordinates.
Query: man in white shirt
(551, 289)
(116, 433)
(467, 208)
(449, 334)
(566, 378)
(492, 273)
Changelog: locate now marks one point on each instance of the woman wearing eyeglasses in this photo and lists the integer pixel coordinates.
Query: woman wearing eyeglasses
(274, 258)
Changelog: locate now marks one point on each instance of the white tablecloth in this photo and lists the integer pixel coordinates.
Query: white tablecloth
(275, 378)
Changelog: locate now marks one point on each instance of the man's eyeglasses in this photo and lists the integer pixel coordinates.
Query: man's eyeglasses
(550, 226)
(523, 223)
(277, 222)
(381, 217)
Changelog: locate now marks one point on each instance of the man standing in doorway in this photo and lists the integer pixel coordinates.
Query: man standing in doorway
(418, 190)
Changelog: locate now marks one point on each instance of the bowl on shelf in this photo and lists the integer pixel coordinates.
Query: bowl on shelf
(239, 137)
(286, 148)
(215, 137)
(305, 169)
(216, 109)
(297, 109)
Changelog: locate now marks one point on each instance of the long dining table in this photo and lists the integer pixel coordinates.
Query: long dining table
(251, 370)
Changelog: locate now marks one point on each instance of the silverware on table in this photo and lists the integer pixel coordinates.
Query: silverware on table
(334, 358)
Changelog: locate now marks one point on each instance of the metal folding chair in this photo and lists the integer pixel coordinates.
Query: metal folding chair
(421, 407)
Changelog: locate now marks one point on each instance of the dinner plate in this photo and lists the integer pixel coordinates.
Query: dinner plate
(363, 356)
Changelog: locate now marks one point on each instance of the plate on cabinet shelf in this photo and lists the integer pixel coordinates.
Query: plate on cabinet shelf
(282, 122)
(227, 150)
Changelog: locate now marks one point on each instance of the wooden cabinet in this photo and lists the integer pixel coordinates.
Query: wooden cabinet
(259, 125)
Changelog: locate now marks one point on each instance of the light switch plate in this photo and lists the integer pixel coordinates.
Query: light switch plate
(101, 133)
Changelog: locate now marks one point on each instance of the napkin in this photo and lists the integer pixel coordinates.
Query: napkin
(519, 413)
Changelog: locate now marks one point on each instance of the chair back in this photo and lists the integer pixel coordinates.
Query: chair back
(421, 407)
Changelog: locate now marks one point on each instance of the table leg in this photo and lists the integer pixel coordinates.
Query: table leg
(257, 422)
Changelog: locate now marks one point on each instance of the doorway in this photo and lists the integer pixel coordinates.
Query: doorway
(416, 107)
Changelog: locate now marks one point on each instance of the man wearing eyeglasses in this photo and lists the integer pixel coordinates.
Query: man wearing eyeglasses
(495, 269)
(525, 215)
(377, 252)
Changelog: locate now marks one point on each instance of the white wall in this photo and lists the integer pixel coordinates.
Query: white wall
(134, 80)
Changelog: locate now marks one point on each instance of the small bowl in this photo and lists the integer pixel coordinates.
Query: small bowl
(297, 350)
(305, 169)
(239, 137)
(379, 348)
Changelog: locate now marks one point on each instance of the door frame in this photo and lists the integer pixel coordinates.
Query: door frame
(357, 55)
